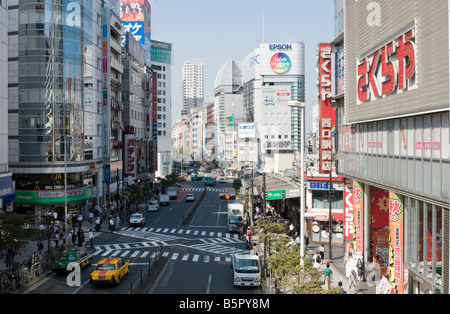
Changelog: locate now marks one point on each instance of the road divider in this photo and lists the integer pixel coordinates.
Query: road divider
(189, 213)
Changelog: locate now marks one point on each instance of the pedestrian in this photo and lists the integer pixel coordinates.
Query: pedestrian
(97, 224)
(40, 246)
(340, 286)
(328, 276)
(291, 230)
(91, 238)
(307, 239)
(316, 264)
(80, 237)
(111, 224)
(80, 219)
(91, 217)
(8, 259)
(359, 266)
(322, 252)
(353, 281)
(56, 238)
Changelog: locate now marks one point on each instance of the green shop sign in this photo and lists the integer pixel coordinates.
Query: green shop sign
(275, 195)
(49, 197)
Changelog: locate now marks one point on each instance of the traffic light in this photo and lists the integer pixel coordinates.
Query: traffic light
(283, 194)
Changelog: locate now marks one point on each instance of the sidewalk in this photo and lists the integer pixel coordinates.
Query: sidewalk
(336, 265)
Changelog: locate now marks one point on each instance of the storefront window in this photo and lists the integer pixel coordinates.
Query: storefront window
(423, 251)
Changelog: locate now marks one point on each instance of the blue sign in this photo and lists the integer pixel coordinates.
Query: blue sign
(107, 174)
(136, 29)
(7, 192)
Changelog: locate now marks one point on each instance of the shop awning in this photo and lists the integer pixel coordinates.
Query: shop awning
(278, 184)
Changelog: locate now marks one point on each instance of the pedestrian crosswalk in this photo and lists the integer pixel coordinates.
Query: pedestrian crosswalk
(207, 189)
(220, 244)
(172, 233)
(222, 254)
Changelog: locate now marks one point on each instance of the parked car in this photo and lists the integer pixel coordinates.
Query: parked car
(190, 198)
(164, 199)
(109, 271)
(69, 259)
(137, 220)
(221, 180)
(153, 206)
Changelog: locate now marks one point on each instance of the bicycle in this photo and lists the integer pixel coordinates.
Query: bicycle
(7, 282)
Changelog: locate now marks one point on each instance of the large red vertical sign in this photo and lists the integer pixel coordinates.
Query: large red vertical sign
(326, 113)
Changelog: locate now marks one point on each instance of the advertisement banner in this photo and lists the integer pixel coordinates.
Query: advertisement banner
(326, 113)
(348, 210)
(358, 210)
(132, 10)
(396, 241)
(130, 157)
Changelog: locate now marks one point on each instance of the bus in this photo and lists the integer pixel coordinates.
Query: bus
(210, 179)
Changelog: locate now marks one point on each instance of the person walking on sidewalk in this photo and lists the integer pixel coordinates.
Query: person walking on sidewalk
(328, 276)
(322, 252)
(353, 282)
(91, 238)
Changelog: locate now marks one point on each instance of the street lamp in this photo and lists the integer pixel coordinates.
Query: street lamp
(301, 105)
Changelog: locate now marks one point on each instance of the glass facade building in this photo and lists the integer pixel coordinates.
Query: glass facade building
(52, 46)
(54, 108)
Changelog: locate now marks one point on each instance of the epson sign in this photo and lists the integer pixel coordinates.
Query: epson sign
(283, 47)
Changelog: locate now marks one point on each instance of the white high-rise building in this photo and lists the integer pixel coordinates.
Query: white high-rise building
(162, 64)
(193, 85)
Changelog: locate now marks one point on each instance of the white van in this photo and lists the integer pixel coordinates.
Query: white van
(153, 206)
(164, 199)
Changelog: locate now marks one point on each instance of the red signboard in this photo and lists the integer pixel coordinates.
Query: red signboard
(390, 69)
(326, 113)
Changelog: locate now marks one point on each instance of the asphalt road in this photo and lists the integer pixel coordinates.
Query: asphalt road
(198, 256)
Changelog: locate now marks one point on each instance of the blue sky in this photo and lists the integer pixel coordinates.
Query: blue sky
(214, 31)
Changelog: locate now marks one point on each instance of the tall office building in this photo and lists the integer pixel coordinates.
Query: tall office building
(273, 75)
(6, 184)
(161, 56)
(55, 104)
(193, 85)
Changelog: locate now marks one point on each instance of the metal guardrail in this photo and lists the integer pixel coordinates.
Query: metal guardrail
(188, 215)
(147, 275)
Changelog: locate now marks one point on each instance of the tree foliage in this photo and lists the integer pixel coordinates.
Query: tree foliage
(283, 262)
(13, 232)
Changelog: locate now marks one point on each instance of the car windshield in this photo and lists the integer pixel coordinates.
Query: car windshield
(68, 257)
(136, 217)
(235, 219)
(105, 267)
(153, 203)
(247, 266)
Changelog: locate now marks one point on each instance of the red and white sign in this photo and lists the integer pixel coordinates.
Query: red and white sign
(348, 210)
(130, 155)
(388, 70)
(326, 113)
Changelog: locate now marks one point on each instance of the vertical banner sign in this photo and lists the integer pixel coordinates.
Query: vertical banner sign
(348, 210)
(396, 241)
(326, 116)
(358, 208)
(153, 146)
(106, 110)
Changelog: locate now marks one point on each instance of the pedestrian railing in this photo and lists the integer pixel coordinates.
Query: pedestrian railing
(148, 274)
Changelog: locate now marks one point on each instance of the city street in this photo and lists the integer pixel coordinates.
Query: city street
(198, 257)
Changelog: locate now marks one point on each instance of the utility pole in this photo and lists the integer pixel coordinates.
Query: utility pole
(251, 200)
(330, 219)
(264, 195)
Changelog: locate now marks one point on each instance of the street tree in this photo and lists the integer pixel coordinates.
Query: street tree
(13, 232)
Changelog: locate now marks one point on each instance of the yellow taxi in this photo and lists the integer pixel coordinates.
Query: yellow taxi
(109, 271)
